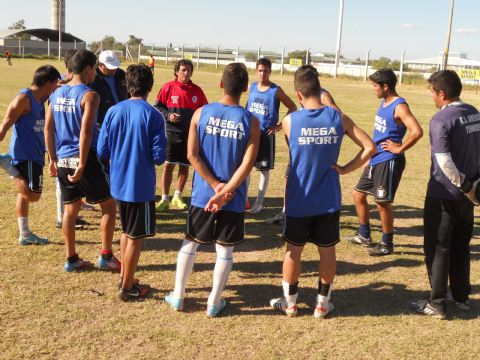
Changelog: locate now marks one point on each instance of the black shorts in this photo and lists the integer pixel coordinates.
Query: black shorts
(382, 180)
(32, 172)
(137, 218)
(287, 170)
(266, 153)
(177, 148)
(224, 227)
(321, 230)
(93, 185)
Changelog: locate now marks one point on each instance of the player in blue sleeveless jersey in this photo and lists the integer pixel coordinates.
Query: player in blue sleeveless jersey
(222, 147)
(382, 176)
(264, 98)
(312, 198)
(71, 139)
(25, 162)
(133, 139)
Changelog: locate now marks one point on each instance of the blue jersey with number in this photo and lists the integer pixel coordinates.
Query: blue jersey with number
(386, 128)
(28, 140)
(264, 105)
(223, 134)
(313, 186)
(67, 113)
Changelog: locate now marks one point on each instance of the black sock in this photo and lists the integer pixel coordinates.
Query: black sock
(72, 259)
(107, 256)
(323, 289)
(293, 288)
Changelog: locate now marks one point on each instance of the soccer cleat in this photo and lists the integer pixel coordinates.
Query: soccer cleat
(32, 239)
(174, 302)
(6, 164)
(281, 305)
(135, 281)
(214, 310)
(321, 312)
(360, 240)
(381, 250)
(465, 306)
(113, 264)
(277, 219)
(257, 207)
(78, 265)
(179, 203)
(137, 292)
(423, 307)
(78, 224)
(162, 206)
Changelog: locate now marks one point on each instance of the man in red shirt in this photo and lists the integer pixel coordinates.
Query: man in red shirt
(177, 100)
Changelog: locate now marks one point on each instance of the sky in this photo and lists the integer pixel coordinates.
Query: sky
(387, 28)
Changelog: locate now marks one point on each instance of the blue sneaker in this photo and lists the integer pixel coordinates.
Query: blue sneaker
(6, 164)
(174, 302)
(213, 310)
(32, 239)
(113, 264)
(78, 265)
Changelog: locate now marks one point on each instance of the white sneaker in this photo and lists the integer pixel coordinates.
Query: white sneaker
(321, 312)
(256, 207)
(281, 305)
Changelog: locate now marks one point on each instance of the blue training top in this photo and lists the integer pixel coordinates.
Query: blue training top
(133, 138)
(386, 128)
(223, 135)
(313, 186)
(28, 140)
(264, 105)
(67, 113)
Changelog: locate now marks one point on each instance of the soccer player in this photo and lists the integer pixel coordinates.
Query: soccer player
(264, 100)
(8, 57)
(133, 138)
(382, 175)
(451, 194)
(313, 199)
(222, 146)
(71, 137)
(177, 100)
(26, 158)
(151, 63)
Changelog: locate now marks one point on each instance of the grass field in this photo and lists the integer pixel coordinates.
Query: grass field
(47, 313)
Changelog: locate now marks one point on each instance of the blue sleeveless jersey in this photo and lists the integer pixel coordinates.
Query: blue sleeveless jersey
(264, 105)
(313, 186)
(223, 134)
(387, 129)
(28, 140)
(67, 113)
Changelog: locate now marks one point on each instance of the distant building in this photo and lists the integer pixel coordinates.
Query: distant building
(455, 61)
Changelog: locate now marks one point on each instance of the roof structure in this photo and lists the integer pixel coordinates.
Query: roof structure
(42, 34)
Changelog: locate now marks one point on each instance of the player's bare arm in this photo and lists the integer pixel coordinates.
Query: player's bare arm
(288, 103)
(415, 131)
(18, 107)
(49, 132)
(328, 100)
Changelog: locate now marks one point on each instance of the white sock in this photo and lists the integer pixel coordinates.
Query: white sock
(185, 260)
(223, 265)
(323, 300)
(177, 194)
(291, 299)
(165, 197)
(283, 210)
(263, 185)
(58, 195)
(23, 226)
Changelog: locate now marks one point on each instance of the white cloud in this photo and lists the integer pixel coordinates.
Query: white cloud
(409, 26)
(467, 31)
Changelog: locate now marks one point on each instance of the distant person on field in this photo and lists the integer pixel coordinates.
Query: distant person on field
(71, 137)
(133, 139)
(8, 57)
(264, 98)
(452, 193)
(381, 177)
(151, 63)
(313, 197)
(26, 158)
(177, 100)
(222, 148)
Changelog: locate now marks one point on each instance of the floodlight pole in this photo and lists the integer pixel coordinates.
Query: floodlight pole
(283, 60)
(401, 66)
(258, 54)
(238, 53)
(366, 65)
(307, 58)
(216, 57)
(60, 30)
(449, 32)
(198, 56)
(339, 38)
(183, 51)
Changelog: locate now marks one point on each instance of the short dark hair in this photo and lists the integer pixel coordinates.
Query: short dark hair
(447, 81)
(384, 76)
(139, 79)
(235, 79)
(45, 74)
(81, 59)
(68, 55)
(182, 62)
(265, 62)
(306, 81)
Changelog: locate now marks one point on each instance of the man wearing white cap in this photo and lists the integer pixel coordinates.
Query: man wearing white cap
(109, 83)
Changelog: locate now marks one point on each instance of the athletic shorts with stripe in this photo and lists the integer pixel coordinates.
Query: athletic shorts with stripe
(322, 230)
(177, 148)
(32, 172)
(382, 180)
(224, 227)
(266, 153)
(137, 218)
(94, 183)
